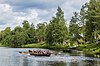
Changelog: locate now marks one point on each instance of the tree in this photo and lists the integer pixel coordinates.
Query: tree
(74, 27)
(31, 34)
(57, 30)
(26, 31)
(82, 18)
(93, 19)
(19, 39)
(7, 41)
(41, 32)
(5, 33)
(16, 30)
(16, 40)
(26, 25)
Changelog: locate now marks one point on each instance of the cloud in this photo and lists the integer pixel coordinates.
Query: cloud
(12, 19)
(35, 11)
(72, 6)
(40, 4)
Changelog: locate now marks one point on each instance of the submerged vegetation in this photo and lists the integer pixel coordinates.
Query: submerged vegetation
(82, 33)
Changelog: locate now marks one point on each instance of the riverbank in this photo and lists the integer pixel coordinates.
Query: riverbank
(47, 46)
(1, 45)
(91, 50)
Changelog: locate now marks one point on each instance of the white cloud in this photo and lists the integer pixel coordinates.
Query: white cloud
(72, 6)
(40, 11)
(12, 19)
(7, 16)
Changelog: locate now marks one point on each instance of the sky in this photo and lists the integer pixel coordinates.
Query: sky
(14, 12)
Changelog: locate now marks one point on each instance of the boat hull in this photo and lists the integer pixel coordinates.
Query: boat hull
(40, 54)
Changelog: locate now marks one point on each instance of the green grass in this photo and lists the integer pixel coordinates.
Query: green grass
(36, 45)
(90, 49)
(1, 45)
(44, 45)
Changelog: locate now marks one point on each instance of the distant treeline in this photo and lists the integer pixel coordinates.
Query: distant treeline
(84, 25)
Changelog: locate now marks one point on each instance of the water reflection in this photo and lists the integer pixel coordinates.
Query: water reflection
(25, 62)
(76, 53)
(59, 64)
(11, 57)
(73, 64)
(91, 63)
(51, 63)
(85, 63)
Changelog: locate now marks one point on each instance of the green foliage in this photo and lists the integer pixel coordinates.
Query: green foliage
(35, 45)
(18, 36)
(82, 19)
(93, 19)
(41, 32)
(57, 30)
(26, 25)
(75, 29)
(5, 33)
(23, 35)
(1, 45)
(44, 45)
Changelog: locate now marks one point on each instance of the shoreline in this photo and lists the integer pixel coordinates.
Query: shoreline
(88, 52)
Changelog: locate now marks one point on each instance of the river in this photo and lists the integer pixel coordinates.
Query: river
(11, 57)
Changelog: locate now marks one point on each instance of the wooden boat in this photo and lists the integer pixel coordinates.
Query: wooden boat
(24, 52)
(39, 53)
(35, 54)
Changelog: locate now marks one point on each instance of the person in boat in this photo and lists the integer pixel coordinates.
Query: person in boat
(29, 51)
(44, 52)
(33, 51)
(39, 52)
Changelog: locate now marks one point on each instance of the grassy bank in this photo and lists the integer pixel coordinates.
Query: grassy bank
(1, 45)
(92, 50)
(44, 45)
(89, 49)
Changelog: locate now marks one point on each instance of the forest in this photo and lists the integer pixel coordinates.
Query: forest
(82, 33)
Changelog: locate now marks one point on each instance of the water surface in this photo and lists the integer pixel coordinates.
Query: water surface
(11, 57)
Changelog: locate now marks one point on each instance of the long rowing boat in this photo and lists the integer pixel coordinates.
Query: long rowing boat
(37, 53)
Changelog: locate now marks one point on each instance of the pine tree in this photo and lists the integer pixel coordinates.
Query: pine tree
(41, 31)
(93, 19)
(73, 27)
(82, 18)
(57, 30)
